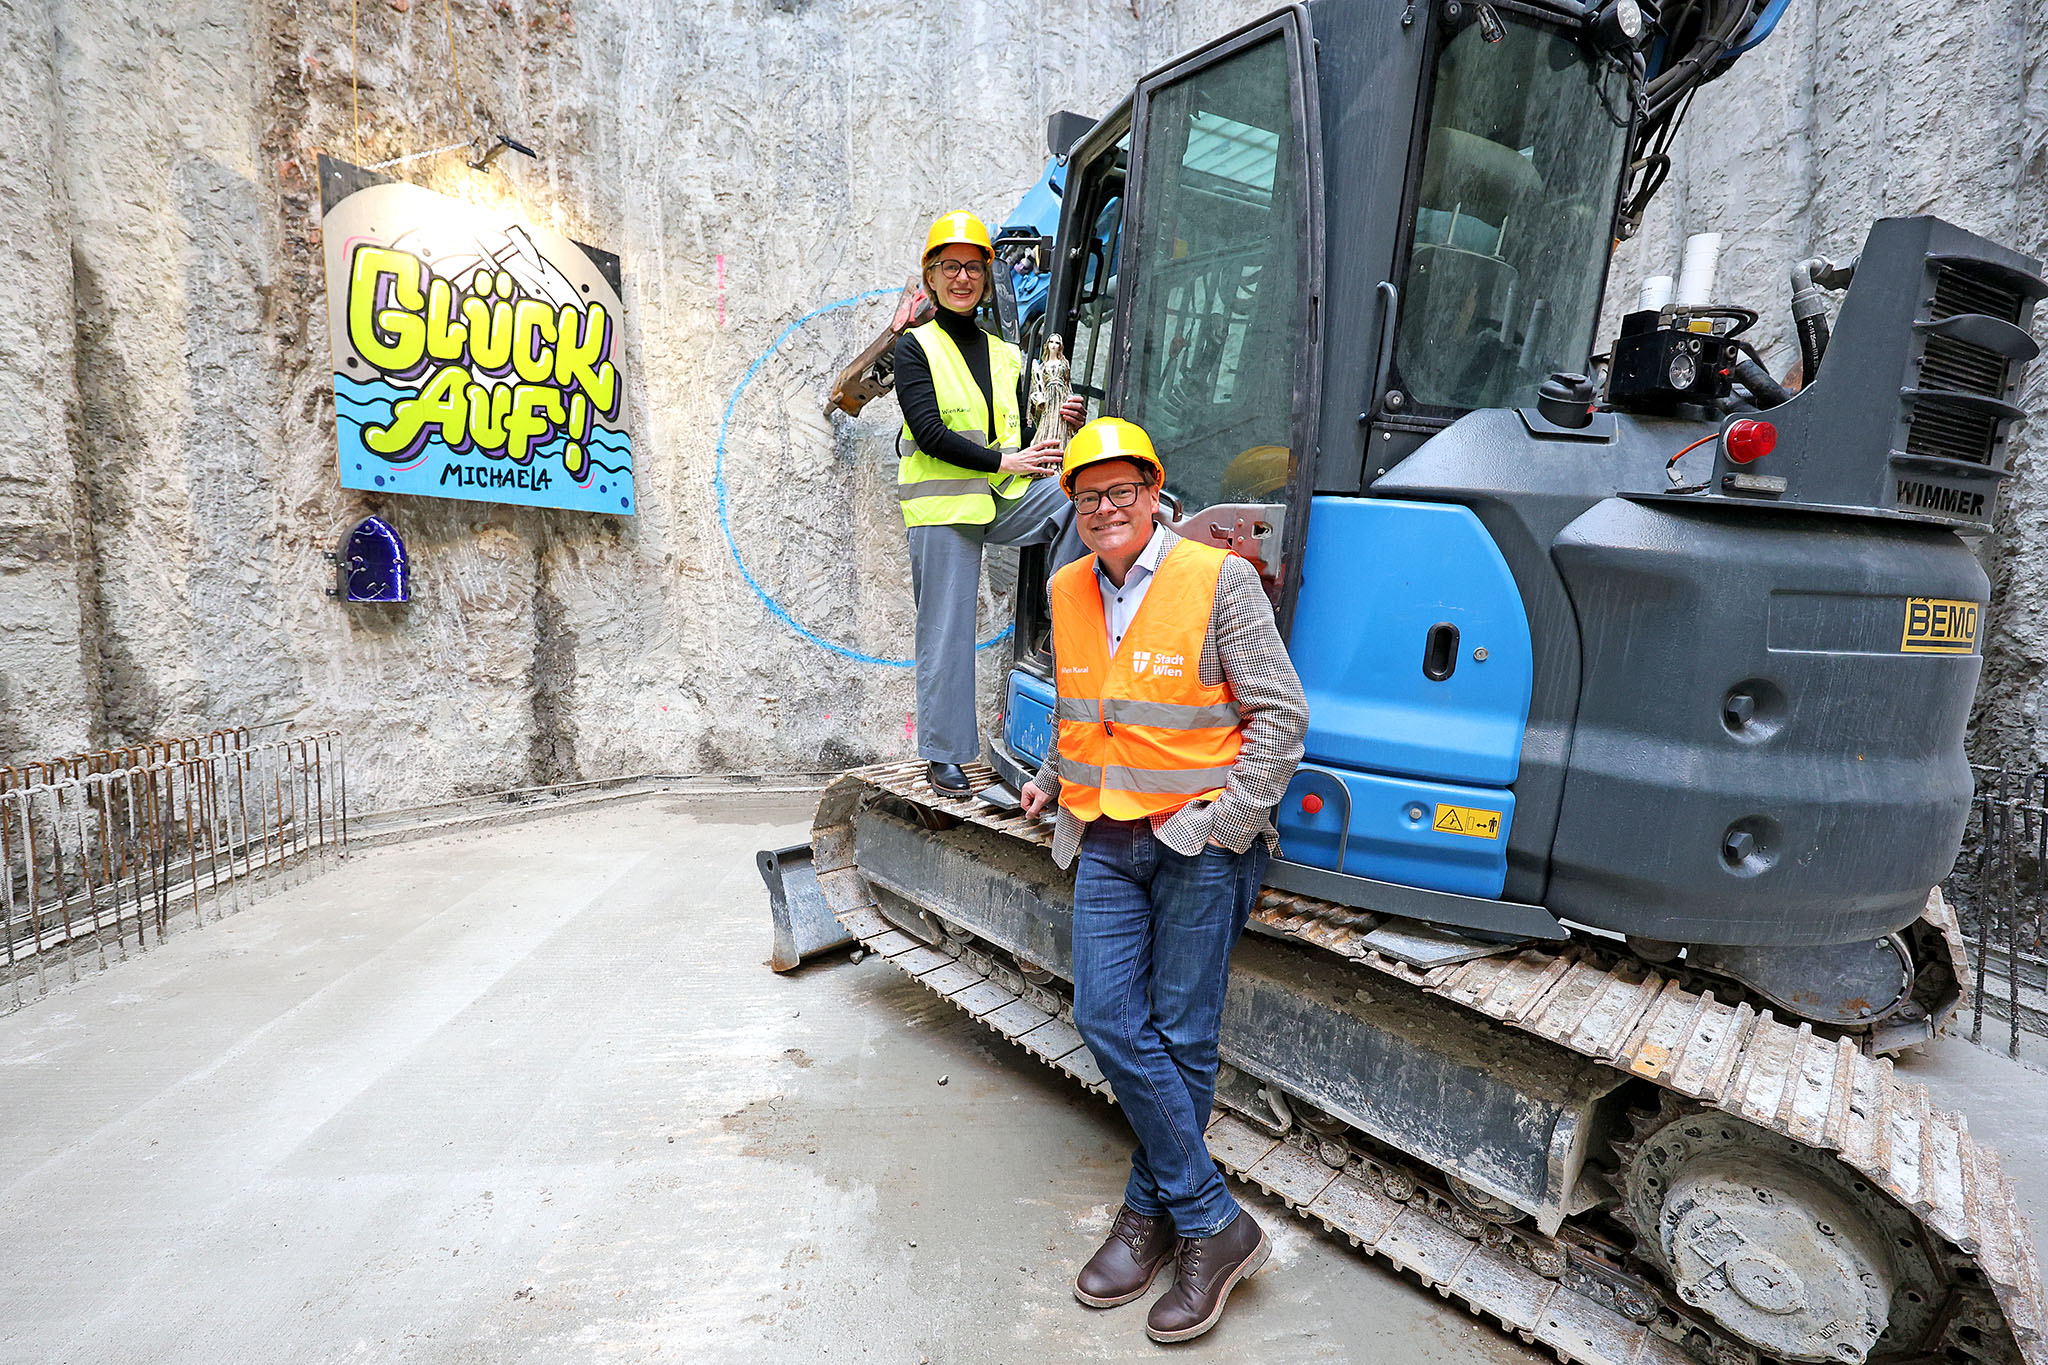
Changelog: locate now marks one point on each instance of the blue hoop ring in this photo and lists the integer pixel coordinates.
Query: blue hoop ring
(775, 608)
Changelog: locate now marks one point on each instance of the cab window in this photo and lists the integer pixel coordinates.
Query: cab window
(1102, 201)
(1218, 311)
(1508, 251)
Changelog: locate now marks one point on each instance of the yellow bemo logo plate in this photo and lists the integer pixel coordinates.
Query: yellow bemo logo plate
(1479, 824)
(1940, 625)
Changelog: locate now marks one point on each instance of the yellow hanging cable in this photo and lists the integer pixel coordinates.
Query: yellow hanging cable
(355, 107)
(455, 68)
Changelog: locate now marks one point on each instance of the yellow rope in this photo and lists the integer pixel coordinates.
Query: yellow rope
(455, 68)
(355, 107)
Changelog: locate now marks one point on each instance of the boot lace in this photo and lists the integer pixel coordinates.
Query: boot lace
(1131, 1228)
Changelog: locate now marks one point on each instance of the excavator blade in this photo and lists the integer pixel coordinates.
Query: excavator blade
(804, 926)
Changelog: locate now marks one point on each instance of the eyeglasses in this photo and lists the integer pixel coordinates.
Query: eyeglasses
(1116, 495)
(973, 270)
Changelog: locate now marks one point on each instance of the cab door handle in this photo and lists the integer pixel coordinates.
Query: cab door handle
(1440, 652)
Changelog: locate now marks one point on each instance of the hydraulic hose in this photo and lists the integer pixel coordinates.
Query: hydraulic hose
(1749, 372)
(1810, 310)
(1813, 343)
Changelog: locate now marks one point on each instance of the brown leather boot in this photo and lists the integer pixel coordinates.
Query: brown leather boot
(1209, 1268)
(1124, 1266)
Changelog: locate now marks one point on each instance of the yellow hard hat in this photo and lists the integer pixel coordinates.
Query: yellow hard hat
(958, 226)
(1254, 474)
(1108, 438)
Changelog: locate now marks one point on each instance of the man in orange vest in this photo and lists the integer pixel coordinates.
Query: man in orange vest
(1180, 722)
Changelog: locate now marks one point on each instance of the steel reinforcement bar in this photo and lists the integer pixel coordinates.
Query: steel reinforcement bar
(2000, 890)
(102, 853)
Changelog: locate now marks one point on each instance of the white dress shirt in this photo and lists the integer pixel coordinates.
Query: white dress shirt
(1120, 604)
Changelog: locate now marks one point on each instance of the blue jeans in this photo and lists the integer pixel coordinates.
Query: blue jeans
(1153, 930)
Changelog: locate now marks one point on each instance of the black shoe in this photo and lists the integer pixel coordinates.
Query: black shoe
(948, 778)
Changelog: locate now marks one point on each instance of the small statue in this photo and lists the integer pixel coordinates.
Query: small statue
(1051, 386)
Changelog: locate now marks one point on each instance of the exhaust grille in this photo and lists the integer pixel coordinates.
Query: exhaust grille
(1952, 364)
(1950, 431)
(1960, 290)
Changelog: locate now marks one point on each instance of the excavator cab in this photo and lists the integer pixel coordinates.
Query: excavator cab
(1468, 161)
(1296, 253)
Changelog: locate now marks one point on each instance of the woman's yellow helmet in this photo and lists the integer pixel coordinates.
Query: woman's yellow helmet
(958, 226)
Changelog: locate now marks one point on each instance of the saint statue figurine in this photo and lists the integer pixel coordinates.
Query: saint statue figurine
(1051, 386)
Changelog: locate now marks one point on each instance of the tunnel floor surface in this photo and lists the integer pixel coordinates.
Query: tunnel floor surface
(531, 1093)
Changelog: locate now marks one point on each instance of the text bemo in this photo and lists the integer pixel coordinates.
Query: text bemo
(1940, 625)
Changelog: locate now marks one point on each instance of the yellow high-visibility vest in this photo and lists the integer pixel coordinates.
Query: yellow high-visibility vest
(1140, 733)
(934, 492)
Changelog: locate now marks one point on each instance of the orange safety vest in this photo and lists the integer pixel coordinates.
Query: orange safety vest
(1140, 734)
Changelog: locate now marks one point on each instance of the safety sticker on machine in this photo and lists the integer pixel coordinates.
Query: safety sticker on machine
(1466, 820)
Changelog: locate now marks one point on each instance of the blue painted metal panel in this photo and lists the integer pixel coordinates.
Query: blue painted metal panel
(1437, 835)
(1378, 574)
(1039, 212)
(1027, 716)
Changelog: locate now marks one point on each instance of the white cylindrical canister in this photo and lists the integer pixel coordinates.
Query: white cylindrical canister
(1656, 294)
(1696, 269)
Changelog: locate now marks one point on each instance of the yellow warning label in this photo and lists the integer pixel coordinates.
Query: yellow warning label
(1939, 625)
(1479, 824)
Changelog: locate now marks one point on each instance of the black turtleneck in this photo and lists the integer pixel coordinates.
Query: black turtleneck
(920, 400)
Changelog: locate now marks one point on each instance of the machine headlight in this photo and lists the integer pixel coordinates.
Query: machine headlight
(1620, 24)
(1683, 370)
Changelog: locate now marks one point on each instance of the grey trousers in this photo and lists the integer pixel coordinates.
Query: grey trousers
(945, 580)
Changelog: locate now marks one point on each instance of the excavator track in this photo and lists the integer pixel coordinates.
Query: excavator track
(1817, 1098)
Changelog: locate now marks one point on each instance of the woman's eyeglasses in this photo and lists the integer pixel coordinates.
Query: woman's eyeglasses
(1116, 495)
(973, 270)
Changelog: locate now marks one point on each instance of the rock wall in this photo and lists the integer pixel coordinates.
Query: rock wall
(49, 678)
(1849, 112)
(170, 494)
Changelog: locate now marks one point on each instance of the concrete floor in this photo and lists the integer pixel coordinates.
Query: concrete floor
(530, 1094)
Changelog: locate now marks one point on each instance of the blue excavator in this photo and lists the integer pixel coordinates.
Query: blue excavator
(1638, 679)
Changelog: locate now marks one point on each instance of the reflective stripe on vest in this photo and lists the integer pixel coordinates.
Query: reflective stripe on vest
(936, 492)
(1189, 782)
(1131, 711)
(1140, 734)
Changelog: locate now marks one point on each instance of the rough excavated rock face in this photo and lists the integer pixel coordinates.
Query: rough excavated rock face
(168, 492)
(1850, 112)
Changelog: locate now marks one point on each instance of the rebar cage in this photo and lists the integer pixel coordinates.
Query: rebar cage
(2000, 893)
(102, 852)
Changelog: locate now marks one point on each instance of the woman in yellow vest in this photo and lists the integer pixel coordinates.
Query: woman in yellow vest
(965, 479)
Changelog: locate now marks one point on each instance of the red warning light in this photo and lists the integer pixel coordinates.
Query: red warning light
(1311, 803)
(1748, 440)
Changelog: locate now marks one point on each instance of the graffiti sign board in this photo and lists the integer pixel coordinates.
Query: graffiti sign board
(475, 356)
